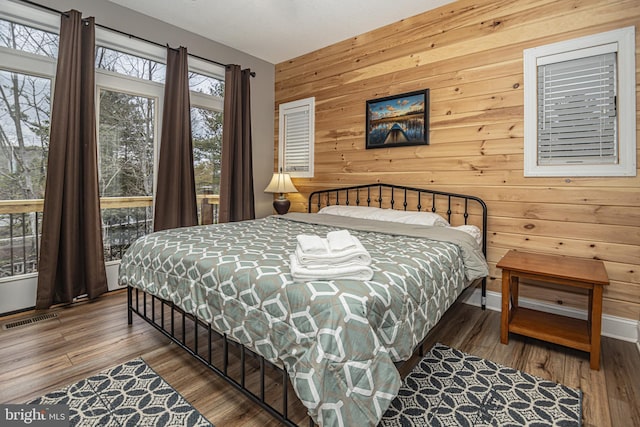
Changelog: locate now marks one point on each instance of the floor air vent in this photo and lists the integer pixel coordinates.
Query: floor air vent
(30, 320)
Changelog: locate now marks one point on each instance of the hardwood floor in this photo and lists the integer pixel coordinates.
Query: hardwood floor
(89, 337)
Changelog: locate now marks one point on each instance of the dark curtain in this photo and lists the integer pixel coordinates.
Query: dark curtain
(71, 254)
(176, 204)
(236, 177)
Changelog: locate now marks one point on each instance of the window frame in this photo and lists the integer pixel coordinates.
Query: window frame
(624, 38)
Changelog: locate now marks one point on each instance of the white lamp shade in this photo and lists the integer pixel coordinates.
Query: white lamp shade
(281, 183)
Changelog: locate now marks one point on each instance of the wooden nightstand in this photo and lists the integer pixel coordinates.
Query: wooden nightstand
(571, 272)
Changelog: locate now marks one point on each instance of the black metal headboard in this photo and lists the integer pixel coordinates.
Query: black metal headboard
(457, 209)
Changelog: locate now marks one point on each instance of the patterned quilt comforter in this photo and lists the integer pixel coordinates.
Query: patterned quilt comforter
(337, 339)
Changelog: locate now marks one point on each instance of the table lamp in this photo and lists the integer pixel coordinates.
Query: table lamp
(281, 183)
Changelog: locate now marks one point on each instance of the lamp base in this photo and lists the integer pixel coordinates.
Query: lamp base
(281, 205)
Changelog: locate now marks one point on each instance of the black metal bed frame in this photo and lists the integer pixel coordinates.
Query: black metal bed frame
(146, 305)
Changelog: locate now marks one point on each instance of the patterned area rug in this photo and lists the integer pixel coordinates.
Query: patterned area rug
(452, 388)
(131, 394)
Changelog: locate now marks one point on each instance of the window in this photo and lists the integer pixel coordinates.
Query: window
(296, 137)
(25, 107)
(24, 134)
(208, 85)
(207, 89)
(206, 127)
(130, 88)
(129, 65)
(24, 147)
(127, 132)
(27, 67)
(580, 107)
(28, 39)
(128, 106)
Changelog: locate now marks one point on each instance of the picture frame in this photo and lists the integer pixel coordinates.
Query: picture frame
(398, 120)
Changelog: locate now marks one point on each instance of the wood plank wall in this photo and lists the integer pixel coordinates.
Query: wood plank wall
(469, 54)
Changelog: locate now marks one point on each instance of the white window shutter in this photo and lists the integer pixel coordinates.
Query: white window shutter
(296, 137)
(577, 120)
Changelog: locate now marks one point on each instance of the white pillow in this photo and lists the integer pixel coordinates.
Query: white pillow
(389, 215)
(350, 211)
(473, 230)
(405, 217)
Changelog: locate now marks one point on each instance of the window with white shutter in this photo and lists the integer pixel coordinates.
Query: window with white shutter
(296, 137)
(580, 107)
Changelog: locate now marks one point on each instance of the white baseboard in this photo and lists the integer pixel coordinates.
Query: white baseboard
(612, 326)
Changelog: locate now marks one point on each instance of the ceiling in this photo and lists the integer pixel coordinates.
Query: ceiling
(278, 30)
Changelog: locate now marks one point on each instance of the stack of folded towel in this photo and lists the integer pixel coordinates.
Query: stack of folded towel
(338, 256)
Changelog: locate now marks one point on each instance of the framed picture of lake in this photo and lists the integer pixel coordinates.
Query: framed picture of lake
(398, 120)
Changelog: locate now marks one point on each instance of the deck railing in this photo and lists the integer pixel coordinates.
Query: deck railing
(124, 219)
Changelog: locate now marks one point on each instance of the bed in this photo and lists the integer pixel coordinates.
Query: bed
(225, 293)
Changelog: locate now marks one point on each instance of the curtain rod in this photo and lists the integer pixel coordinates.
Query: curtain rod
(133, 36)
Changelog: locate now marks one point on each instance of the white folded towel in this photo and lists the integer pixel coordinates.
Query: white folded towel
(352, 271)
(340, 240)
(356, 254)
(312, 244)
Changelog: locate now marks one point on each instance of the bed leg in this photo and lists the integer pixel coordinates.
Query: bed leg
(129, 303)
(483, 299)
(285, 394)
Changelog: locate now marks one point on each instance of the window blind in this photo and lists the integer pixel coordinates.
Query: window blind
(577, 111)
(296, 143)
